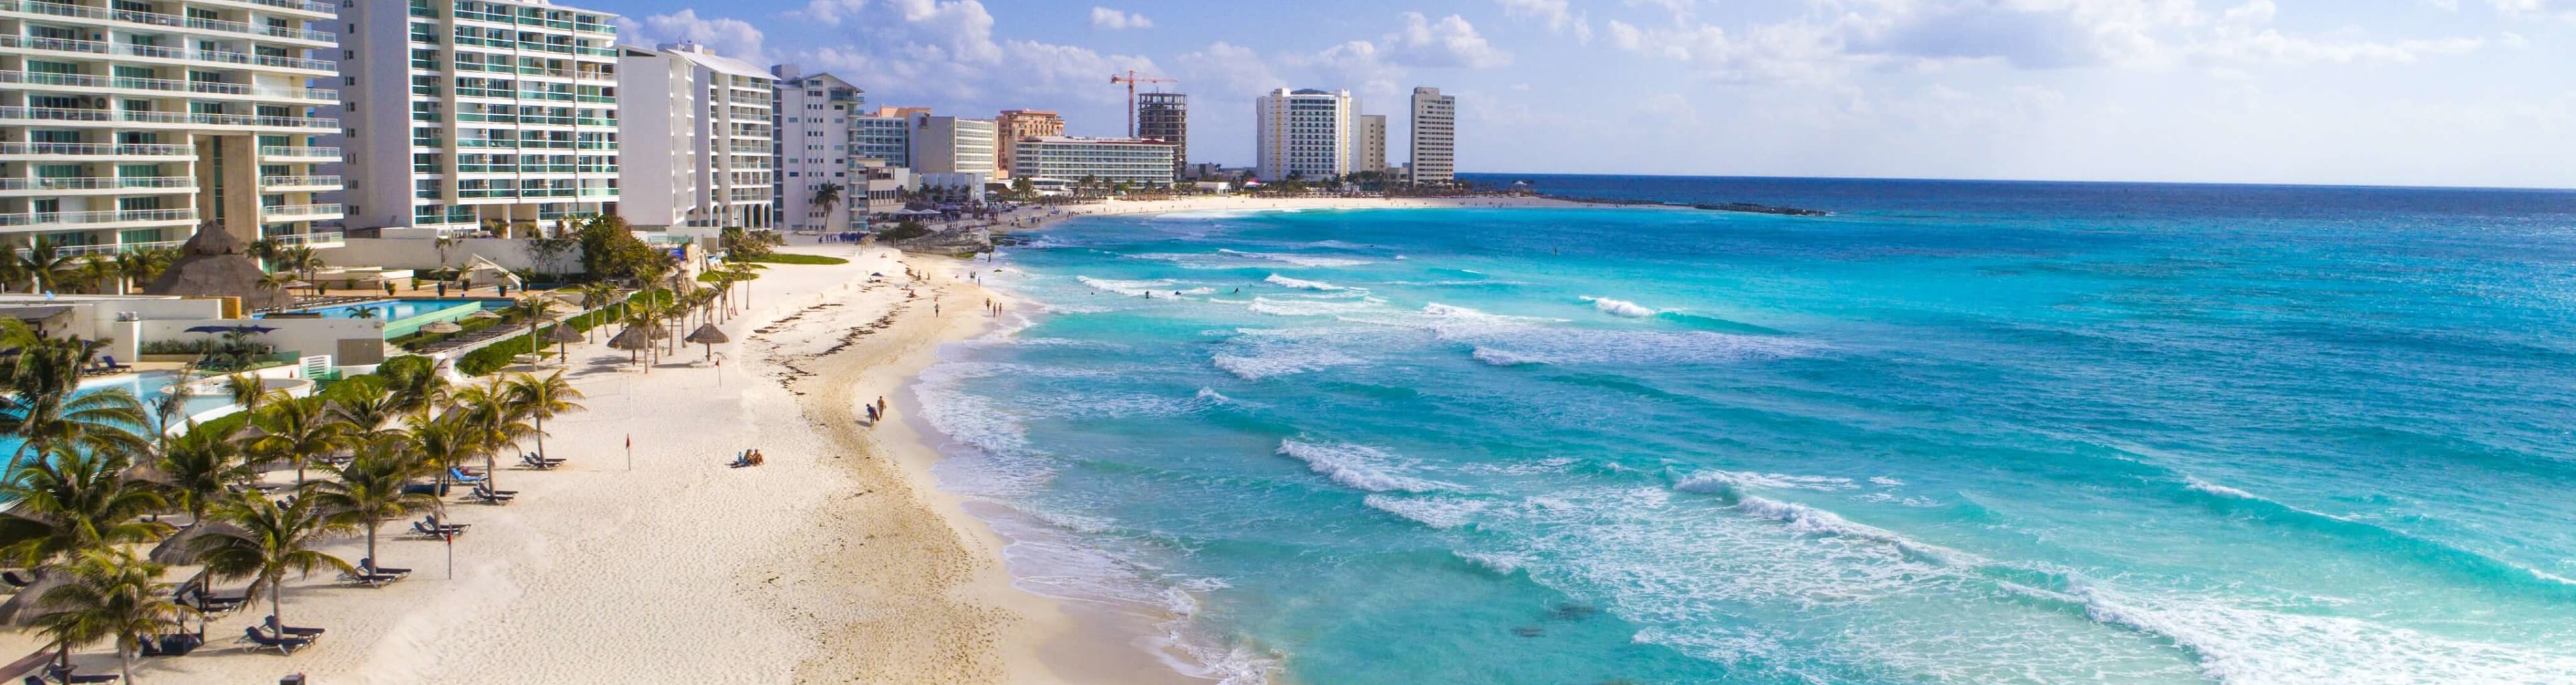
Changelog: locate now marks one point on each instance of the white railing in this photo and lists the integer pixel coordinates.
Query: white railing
(155, 19)
(301, 210)
(87, 250)
(97, 217)
(193, 118)
(278, 181)
(98, 149)
(300, 152)
(163, 84)
(315, 238)
(97, 183)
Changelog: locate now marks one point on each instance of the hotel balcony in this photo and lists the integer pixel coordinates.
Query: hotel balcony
(327, 10)
(171, 119)
(97, 185)
(293, 183)
(122, 18)
(127, 218)
(316, 96)
(107, 249)
(299, 154)
(137, 151)
(317, 239)
(323, 68)
(302, 212)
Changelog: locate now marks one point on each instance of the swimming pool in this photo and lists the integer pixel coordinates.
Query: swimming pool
(396, 309)
(146, 386)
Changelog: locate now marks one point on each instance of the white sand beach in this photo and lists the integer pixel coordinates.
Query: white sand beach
(836, 561)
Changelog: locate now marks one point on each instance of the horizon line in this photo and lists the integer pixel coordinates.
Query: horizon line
(2256, 184)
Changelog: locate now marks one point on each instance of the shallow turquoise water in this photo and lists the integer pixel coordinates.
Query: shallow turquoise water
(1963, 434)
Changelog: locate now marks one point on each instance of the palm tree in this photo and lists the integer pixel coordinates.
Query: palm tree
(442, 444)
(248, 391)
(43, 265)
(42, 405)
(93, 273)
(167, 408)
(492, 422)
(367, 406)
(597, 295)
(300, 259)
(263, 540)
(533, 309)
(416, 384)
(265, 250)
(543, 398)
(203, 464)
(373, 488)
(112, 594)
(71, 500)
(828, 197)
(299, 429)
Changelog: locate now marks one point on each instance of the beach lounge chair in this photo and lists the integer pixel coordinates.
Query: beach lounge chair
(539, 463)
(461, 476)
(362, 577)
(307, 633)
(428, 531)
(108, 362)
(284, 644)
(369, 565)
(178, 644)
(458, 527)
(491, 496)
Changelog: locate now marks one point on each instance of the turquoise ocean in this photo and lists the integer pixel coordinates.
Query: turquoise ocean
(1953, 433)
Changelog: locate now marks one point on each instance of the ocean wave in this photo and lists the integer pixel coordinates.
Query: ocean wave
(2234, 644)
(1307, 261)
(1713, 482)
(1504, 564)
(1281, 362)
(1810, 520)
(2403, 545)
(1359, 466)
(1621, 308)
(1440, 513)
(1128, 288)
(1264, 305)
(1300, 284)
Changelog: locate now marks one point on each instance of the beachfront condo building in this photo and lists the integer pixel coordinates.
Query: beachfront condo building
(1372, 154)
(125, 125)
(884, 139)
(713, 160)
(459, 114)
(1103, 161)
(950, 145)
(668, 197)
(1166, 117)
(1014, 124)
(818, 116)
(1305, 134)
(1433, 157)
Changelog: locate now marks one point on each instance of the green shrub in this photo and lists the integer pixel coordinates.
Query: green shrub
(499, 355)
(785, 258)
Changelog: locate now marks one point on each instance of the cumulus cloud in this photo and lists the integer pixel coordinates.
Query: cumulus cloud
(726, 36)
(1114, 20)
(1556, 14)
(946, 49)
(2022, 34)
(1449, 42)
(829, 12)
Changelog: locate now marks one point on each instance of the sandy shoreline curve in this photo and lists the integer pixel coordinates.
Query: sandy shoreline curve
(838, 561)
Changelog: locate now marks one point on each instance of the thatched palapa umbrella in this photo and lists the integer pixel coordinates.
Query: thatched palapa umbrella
(442, 327)
(563, 337)
(708, 335)
(632, 340)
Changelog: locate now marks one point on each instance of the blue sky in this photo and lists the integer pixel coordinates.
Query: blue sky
(2398, 92)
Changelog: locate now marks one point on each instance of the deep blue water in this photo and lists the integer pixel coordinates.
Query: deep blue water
(1955, 433)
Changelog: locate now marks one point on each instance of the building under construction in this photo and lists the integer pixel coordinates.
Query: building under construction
(1166, 117)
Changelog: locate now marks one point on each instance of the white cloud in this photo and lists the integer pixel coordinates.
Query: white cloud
(829, 12)
(1228, 70)
(1449, 42)
(726, 36)
(1557, 14)
(1105, 18)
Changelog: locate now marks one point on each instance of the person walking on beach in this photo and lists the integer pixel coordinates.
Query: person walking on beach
(881, 407)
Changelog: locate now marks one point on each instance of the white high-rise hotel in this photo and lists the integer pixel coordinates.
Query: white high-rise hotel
(1434, 150)
(125, 124)
(818, 119)
(1306, 134)
(466, 111)
(710, 119)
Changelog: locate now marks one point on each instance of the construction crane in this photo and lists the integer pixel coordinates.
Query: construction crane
(1131, 80)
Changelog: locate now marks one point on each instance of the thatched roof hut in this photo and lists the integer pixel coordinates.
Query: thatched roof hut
(212, 264)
